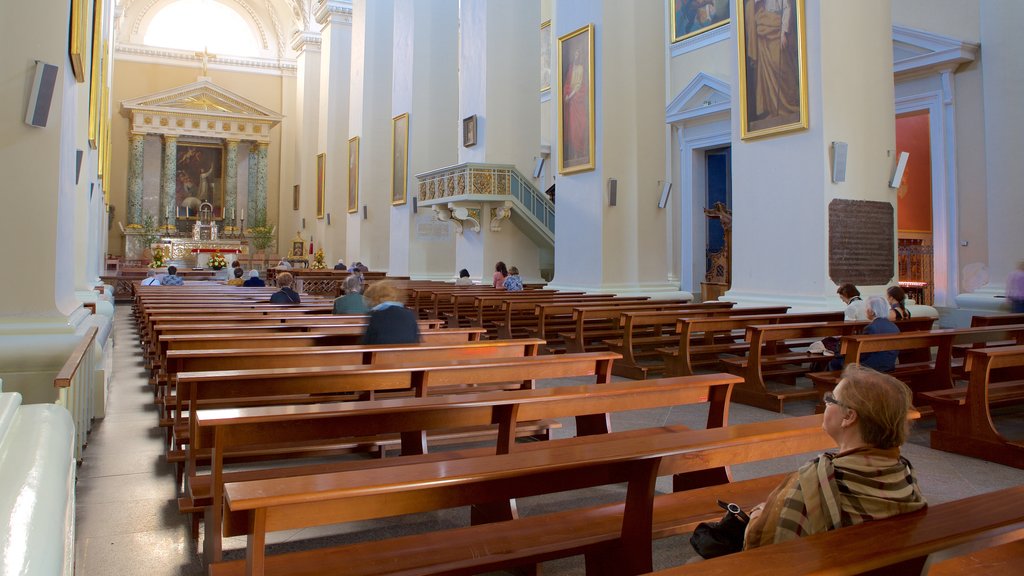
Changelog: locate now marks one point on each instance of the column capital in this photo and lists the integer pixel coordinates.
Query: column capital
(234, 141)
(334, 12)
(304, 40)
(133, 136)
(261, 146)
(170, 138)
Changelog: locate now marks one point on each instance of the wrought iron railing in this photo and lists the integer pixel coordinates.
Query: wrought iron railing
(485, 182)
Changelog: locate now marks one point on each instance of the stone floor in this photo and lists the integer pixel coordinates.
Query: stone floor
(127, 521)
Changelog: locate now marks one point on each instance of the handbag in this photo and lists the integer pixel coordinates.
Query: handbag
(714, 539)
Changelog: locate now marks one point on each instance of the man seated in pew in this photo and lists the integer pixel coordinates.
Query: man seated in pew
(341, 265)
(286, 295)
(172, 278)
(254, 280)
(878, 314)
(352, 302)
(151, 279)
(390, 321)
(866, 479)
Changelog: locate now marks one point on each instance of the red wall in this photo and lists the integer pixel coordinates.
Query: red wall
(914, 207)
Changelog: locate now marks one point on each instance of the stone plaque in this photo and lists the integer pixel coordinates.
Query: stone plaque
(861, 242)
(430, 230)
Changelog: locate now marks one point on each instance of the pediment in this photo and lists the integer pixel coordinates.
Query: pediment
(916, 51)
(201, 98)
(704, 95)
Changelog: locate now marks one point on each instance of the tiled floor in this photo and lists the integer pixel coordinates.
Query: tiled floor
(128, 524)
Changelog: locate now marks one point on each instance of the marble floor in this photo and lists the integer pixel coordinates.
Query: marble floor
(127, 521)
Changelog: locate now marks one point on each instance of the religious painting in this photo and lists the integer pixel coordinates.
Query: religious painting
(353, 175)
(914, 196)
(692, 17)
(199, 178)
(576, 102)
(98, 58)
(469, 131)
(295, 197)
(545, 56)
(77, 44)
(399, 157)
(773, 67)
(321, 184)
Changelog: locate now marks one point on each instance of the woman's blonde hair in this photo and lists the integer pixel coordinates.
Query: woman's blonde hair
(285, 280)
(881, 402)
(383, 291)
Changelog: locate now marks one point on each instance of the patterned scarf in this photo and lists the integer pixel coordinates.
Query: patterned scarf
(833, 491)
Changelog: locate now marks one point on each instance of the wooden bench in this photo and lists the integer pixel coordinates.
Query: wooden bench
(644, 332)
(902, 544)
(554, 318)
(702, 341)
(226, 433)
(616, 538)
(592, 325)
(963, 416)
(519, 317)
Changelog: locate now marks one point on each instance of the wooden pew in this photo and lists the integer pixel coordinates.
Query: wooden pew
(644, 332)
(616, 537)
(717, 336)
(225, 433)
(476, 309)
(592, 325)
(519, 318)
(897, 545)
(552, 319)
(963, 417)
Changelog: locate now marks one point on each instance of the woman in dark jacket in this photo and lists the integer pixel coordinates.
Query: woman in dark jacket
(285, 295)
(390, 321)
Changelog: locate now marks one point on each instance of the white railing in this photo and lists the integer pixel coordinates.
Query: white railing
(76, 383)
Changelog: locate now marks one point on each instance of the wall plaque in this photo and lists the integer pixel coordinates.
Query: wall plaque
(861, 242)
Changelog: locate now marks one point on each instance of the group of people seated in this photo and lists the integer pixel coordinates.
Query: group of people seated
(881, 313)
(253, 281)
(507, 277)
(171, 278)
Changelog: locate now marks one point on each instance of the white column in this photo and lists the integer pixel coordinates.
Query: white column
(370, 119)
(307, 85)
(336, 61)
(619, 248)
(425, 86)
(782, 186)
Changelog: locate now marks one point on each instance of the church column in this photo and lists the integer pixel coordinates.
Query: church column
(308, 47)
(168, 181)
(231, 183)
(136, 156)
(251, 203)
(620, 247)
(501, 88)
(260, 202)
(425, 85)
(820, 233)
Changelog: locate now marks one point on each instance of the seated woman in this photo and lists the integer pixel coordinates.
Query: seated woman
(464, 279)
(237, 280)
(285, 295)
(855, 307)
(897, 303)
(352, 302)
(254, 280)
(866, 480)
(390, 321)
(500, 273)
(878, 314)
(513, 283)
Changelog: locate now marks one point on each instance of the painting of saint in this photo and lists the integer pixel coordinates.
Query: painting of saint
(576, 109)
(545, 56)
(692, 17)
(773, 78)
(199, 173)
(400, 157)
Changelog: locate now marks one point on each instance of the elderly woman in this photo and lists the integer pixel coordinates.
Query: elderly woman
(390, 321)
(352, 302)
(286, 295)
(254, 280)
(878, 314)
(866, 480)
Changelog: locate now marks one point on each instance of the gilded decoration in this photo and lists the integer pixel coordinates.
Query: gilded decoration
(195, 123)
(179, 123)
(211, 125)
(163, 121)
(481, 183)
(460, 183)
(147, 120)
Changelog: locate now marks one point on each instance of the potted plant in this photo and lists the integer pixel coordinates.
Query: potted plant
(150, 235)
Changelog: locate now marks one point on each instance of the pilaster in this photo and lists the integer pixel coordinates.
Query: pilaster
(136, 161)
(231, 182)
(168, 181)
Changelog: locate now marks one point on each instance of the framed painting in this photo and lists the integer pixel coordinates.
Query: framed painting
(692, 17)
(576, 102)
(353, 175)
(97, 60)
(77, 44)
(773, 67)
(399, 157)
(199, 170)
(545, 56)
(321, 184)
(295, 197)
(469, 131)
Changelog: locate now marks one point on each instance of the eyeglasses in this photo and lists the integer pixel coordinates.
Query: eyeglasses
(830, 398)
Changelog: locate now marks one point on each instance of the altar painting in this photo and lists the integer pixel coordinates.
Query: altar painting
(199, 178)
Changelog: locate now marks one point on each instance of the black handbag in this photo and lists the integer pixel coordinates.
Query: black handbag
(713, 539)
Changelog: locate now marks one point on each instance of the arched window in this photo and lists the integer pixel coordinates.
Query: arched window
(202, 24)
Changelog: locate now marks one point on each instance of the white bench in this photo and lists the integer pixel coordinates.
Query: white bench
(37, 488)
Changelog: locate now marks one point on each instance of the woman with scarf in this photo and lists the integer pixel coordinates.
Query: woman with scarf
(866, 479)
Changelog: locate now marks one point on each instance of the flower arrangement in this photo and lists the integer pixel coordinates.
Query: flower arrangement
(318, 260)
(217, 261)
(158, 258)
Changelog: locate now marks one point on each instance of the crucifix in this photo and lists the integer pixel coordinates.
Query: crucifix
(205, 55)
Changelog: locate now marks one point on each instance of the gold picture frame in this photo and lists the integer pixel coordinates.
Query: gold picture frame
(469, 131)
(97, 60)
(689, 18)
(295, 197)
(781, 108)
(78, 44)
(353, 174)
(200, 171)
(576, 101)
(321, 184)
(545, 56)
(399, 158)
